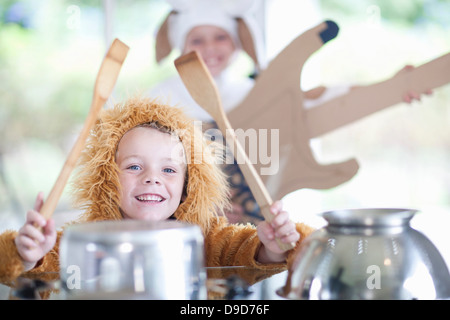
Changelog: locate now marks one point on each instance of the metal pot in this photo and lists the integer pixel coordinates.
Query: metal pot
(367, 254)
(129, 259)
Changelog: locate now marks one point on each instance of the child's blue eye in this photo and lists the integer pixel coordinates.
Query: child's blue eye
(168, 170)
(134, 167)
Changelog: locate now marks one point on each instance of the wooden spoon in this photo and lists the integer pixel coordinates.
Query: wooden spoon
(104, 84)
(201, 86)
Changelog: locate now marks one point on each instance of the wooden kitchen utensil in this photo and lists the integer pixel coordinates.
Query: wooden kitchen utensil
(201, 86)
(104, 84)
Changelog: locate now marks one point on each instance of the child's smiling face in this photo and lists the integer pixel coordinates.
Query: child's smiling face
(152, 174)
(214, 45)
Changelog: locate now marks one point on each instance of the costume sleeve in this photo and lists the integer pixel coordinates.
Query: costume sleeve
(237, 245)
(11, 265)
(10, 262)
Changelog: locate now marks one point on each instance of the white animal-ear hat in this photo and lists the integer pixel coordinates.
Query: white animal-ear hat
(234, 16)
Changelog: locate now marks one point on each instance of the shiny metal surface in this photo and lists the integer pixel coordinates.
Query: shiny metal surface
(162, 260)
(368, 254)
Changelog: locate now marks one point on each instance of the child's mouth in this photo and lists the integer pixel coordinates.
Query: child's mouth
(150, 198)
(212, 62)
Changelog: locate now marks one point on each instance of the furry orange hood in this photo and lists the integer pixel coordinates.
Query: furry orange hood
(96, 187)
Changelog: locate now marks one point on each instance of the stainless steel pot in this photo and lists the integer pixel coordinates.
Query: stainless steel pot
(367, 254)
(129, 258)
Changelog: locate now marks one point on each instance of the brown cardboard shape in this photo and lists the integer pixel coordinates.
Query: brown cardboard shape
(276, 102)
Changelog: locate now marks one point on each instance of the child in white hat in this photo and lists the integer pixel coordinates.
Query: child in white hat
(218, 30)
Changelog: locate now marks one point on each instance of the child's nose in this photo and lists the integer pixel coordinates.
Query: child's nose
(151, 179)
(209, 47)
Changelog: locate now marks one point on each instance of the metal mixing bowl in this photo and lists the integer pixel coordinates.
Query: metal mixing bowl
(367, 254)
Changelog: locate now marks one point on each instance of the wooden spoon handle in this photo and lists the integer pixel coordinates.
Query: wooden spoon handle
(106, 79)
(50, 203)
(252, 178)
(200, 84)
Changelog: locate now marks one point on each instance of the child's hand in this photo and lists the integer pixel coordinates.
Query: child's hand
(281, 227)
(36, 237)
(411, 95)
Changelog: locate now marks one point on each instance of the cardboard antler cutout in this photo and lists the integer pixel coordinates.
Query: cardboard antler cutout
(363, 101)
(276, 102)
